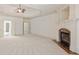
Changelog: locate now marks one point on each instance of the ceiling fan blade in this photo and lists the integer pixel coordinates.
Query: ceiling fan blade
(23, 10)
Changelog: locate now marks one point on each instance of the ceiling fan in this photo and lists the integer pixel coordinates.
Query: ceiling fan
(20, 9)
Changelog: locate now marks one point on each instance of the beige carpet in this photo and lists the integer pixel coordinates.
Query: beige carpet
(29, 45)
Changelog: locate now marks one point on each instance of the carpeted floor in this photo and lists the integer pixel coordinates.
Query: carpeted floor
(29, 45)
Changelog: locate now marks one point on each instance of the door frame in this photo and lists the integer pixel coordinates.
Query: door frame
(7, 33)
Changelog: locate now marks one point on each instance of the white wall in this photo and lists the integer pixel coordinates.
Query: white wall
(17, 24)
(45, 26)
(70, 24)
(75, 37)
(77, 26)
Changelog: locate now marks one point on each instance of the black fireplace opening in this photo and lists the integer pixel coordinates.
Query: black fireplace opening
(64, 36)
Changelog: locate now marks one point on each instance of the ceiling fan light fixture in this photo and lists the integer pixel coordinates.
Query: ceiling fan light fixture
(20, 10)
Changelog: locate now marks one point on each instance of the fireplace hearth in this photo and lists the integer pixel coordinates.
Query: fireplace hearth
(64, 40)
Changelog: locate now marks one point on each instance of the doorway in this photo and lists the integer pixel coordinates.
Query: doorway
(7, 28)
(26, 28)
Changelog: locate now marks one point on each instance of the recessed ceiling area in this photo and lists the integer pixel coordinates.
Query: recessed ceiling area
(31, 10)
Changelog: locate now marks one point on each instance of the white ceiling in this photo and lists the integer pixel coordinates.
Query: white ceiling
(32, 10)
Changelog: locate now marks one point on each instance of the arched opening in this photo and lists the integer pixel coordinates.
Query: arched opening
(64, 37)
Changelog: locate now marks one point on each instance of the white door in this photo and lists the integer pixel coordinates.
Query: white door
(26, 28)
(7, 28)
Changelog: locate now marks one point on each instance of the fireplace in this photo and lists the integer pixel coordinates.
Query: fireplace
(64, 36)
